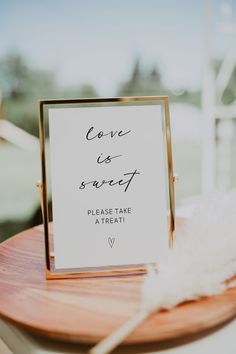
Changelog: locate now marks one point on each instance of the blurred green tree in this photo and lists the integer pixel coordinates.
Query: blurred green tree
(229, 94)
(145, 83)
(23, 86)
(141, 83)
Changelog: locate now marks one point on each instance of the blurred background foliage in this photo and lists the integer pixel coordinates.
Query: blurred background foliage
(229, 94)
(21, 86)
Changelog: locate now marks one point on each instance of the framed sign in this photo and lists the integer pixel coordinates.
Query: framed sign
(108, 165)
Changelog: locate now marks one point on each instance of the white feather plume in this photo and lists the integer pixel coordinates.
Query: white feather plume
(203, 257)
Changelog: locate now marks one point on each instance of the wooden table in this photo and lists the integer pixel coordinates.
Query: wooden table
(86, 310)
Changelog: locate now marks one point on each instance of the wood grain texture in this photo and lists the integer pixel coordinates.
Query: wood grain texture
(87, 310)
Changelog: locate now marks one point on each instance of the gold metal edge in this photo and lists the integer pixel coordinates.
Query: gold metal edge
(103, 100)
(170, 173)
(49, 273)
(110, 273)
(43, 187)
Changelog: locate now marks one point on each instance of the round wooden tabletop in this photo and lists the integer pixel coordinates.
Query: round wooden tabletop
(86, 310)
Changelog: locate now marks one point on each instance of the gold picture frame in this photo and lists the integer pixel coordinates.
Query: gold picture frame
(51, 272)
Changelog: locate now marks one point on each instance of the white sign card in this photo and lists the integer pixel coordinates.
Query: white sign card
(108, 183)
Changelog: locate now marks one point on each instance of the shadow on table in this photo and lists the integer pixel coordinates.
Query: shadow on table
(132, 349)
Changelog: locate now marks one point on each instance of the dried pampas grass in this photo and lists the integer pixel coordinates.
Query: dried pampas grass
(203, 259)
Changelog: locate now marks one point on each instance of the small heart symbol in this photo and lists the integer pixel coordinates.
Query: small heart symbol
(111, 241)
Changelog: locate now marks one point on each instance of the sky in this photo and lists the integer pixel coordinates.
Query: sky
(97, 41)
